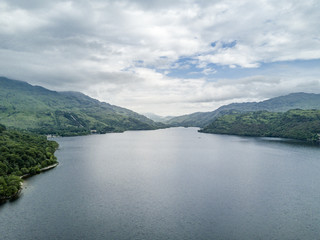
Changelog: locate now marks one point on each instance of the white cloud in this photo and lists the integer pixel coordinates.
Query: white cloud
(175, 96)
(115, 50)
(17, 20)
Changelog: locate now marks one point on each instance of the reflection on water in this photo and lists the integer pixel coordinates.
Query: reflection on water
(171, 184)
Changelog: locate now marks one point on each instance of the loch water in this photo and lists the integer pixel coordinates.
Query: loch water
(172, 183)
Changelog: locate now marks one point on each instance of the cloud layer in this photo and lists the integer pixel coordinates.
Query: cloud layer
(167, 57)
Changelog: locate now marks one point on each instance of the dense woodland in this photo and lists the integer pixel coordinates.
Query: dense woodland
(296, 124)
(22, 153)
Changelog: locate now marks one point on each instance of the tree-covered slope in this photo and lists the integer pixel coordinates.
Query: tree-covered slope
(278, 104)
(64, 113)
(22, 153)
(296, 124)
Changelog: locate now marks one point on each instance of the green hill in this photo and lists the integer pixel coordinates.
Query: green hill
(278, 104)
(296, 124)
(22, 153)
(63, 113)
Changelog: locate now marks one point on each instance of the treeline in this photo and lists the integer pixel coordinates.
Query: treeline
(22, 153)
(296, 124)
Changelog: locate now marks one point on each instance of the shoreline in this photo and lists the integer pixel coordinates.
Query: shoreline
(309, 141)
(41, 170)
(17, 194)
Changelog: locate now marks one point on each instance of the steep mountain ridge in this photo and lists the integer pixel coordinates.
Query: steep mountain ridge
(64, 113)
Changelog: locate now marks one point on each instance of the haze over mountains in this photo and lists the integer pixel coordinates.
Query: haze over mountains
(158, 118)
(64, 113)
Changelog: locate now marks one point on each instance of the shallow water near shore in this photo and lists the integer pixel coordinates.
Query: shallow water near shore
(171, 184)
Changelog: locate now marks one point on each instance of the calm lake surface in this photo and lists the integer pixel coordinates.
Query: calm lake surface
(171, 184)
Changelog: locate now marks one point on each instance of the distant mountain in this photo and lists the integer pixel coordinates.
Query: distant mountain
(64, 113)
(158, 118)
(278, 104)
(296, 124)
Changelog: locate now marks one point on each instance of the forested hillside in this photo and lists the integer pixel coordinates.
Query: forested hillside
(63, 113)
(22, 153)
(278, 104)
(297, 124)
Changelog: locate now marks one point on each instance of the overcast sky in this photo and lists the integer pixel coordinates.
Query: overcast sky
(163, 56)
